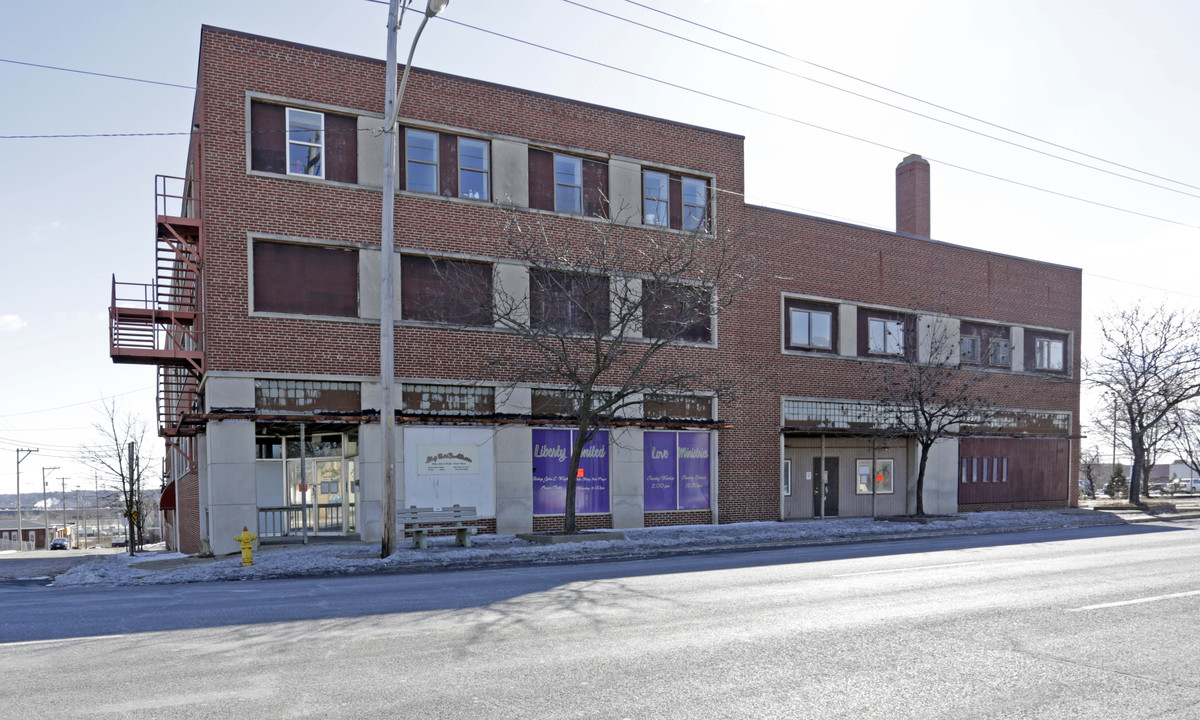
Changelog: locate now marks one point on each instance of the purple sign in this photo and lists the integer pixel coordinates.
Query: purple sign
(658, 463)
(551, 460)
(695, 484)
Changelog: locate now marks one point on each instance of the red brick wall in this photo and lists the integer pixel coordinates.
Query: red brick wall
(187, 512)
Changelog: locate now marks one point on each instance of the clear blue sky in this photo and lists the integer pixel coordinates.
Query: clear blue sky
(1114, 79)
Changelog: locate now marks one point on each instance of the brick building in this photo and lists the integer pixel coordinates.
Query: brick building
(263, 320)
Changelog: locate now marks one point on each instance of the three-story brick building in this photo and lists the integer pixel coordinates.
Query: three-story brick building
(263, 320)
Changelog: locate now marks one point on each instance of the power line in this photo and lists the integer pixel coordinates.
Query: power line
(86, 402)
(98, 74)
(884, 102)
(911, 97)
(815, 126)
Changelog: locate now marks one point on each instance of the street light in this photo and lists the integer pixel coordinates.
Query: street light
(46, 508)
(387, 245)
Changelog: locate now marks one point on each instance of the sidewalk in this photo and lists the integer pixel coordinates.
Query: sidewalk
(333, 558)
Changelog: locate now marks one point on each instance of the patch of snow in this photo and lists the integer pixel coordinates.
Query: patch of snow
(276, 561)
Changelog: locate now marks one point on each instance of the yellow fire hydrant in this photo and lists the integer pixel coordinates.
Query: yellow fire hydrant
(247, 540)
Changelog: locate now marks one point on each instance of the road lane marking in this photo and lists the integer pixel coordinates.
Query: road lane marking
(919, 567)
(51, 641)
(1135, 602)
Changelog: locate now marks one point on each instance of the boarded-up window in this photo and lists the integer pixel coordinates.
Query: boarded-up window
(269, 141)
(307, 396)
(560, 403)
(449, 291)
(568, 302)
(448, 399)
(677, 407)
(305, 279)
(675, 312)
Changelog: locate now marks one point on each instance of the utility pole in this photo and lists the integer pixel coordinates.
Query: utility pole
(387, 315)
(77, 519)
(130, 503)
(64, 502)
(46, 507)
(96, 500)
(20, 529)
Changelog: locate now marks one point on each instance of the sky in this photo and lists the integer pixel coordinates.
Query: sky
(1115, 81)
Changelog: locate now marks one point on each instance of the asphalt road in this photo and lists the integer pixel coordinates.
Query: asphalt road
(1090, 622)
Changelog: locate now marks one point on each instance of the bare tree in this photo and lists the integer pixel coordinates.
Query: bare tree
(1157, 441)
(1089, 466)
(120, 457)
(925, 393)
(1148, 365)
(1185, 440)
(604, 317)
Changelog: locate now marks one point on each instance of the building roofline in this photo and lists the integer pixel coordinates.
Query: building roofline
(438, 73)
(913, 237)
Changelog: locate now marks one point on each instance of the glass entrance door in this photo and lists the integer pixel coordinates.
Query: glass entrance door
(325, 504)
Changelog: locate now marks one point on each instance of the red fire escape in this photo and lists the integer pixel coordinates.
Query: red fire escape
(161, 323)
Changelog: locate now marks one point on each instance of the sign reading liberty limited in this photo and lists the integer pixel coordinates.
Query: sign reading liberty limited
(676, 469)
(551, 460)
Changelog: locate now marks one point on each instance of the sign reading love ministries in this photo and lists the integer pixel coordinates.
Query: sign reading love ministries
(677, 471)
(552, 459)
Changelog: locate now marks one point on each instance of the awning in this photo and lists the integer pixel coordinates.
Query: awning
(167, 501)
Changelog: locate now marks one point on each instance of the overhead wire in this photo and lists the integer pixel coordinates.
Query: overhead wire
(798, 121)
(885, 103)
(908, 96)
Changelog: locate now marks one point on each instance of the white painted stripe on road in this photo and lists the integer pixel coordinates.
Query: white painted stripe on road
(60, 640)
(919, 567)
(1135, 602)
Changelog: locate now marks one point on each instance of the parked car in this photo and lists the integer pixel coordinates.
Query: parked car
(60, 544)
(1181, 485)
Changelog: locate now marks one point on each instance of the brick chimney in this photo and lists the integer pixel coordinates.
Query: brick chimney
(912, 196)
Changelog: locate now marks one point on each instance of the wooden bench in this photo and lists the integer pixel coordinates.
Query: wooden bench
(459, 518)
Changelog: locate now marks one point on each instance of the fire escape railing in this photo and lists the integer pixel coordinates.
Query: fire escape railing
(161, 322)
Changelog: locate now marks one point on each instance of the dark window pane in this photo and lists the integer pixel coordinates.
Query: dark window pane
(568, 302)
(675, 312)
(449, 291)
(305, 279)
(267, 138)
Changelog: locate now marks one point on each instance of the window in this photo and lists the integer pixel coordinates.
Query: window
(294, 141)
(677, 407)
(675, 312)
(447, 291)
(880, 480)
(787, 477)
(421, 155)
(656, 200)
(810, 328)
(473, 169)
(448, 399)
(568, 184)
(885, 337)
(968, 349)
(695, 204)
(1000, 353)
(306, 142)
(307, 396)
(305, 279)
(568, 302)
(677, 473)
(1049, 354)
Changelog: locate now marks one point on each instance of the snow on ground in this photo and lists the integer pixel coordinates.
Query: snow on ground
(274, 561)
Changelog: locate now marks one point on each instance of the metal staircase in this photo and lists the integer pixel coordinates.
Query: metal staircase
(161, 323)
